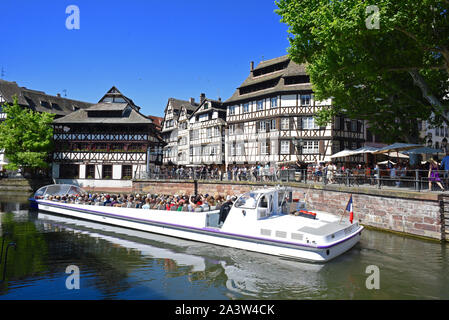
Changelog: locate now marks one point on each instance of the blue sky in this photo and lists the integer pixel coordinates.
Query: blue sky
(151, 50)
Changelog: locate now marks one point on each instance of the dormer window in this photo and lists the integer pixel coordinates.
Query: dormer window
(45, 104)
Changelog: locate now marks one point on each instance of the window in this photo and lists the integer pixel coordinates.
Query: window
(274, 102)
(264, 148)
(308, 123)
(217, 131)
(127, 172)
(232, 110)
(262, 126)
(69, 171)
(259, 105)
(233, 149)
(194, 134)
(231, 129)
(246, 107)
(305, 100)
(239, 149)
(213, 150)
(272, 124)
(285, 123)
(310, 147)
(209, 132)
(204, 117)
(90, 171)
(107, 171)
(285, 147)
(354, 125)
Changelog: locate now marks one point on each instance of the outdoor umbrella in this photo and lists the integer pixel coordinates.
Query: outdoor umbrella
(423, 150)
(366, 149)
(396, 147)
(343, 153)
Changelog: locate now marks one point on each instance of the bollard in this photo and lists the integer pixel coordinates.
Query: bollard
(417, 184)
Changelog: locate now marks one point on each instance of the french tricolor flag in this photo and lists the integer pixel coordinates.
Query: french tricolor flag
(349, 209)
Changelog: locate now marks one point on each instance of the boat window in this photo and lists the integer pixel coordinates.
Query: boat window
(74, 190)
(247, 200)
(55, 189)
(263, 202)
(39, 193)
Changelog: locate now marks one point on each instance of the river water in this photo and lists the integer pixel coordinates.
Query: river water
(117, 263)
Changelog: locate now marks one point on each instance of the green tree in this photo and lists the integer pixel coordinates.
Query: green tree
(26, 137)
(385, 61)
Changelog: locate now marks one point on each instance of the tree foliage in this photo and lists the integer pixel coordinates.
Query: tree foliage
(26, 137)
(390, 74)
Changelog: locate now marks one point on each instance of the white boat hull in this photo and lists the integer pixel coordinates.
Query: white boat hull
(312, 253)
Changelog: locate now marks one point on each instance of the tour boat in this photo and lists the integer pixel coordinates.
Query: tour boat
(267, 220)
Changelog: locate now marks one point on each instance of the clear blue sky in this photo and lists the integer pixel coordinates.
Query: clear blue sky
(151, 50)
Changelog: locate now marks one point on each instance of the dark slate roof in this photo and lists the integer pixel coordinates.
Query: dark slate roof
(267, 63)
(292, 69)
(106, 112)
(114, 92)
(39, 100)
(82, 116)
(215, 105)
(42, 102)
(10, 88)
(178, 104)
(105, 106)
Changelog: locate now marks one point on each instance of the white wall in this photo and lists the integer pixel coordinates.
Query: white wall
(116, 171)
(82, 171)
(94, 183)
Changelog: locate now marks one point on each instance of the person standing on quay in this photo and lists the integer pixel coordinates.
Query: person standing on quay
(433, 175)
(445, 166)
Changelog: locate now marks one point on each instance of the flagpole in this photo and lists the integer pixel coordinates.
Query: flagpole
(350, 197)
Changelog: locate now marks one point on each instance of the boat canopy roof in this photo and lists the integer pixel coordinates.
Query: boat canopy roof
(58, 190)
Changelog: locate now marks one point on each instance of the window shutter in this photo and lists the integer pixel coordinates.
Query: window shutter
(299, 123)
(321, 146)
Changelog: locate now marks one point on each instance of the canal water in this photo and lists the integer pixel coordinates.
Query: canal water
(117, 263)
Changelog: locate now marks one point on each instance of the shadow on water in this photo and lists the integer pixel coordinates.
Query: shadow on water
(119, 263)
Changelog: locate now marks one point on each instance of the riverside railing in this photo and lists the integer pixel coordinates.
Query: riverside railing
(411, 179)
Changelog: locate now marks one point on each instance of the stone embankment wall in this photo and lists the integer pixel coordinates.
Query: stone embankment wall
(21, 186)
(408, 212)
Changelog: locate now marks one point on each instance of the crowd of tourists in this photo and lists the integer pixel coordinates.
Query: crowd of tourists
(191, 203)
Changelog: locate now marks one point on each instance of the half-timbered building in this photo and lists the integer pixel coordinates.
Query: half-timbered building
(107, 144)
(206, 127)
(176, 112)
(270, 119)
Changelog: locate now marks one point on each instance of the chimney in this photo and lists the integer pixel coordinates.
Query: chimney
(219, 99)
(59, 95)
(251, 65)
(192, 101)
(202, 97)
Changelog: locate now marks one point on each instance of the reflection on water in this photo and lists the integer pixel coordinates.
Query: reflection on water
(118, 263)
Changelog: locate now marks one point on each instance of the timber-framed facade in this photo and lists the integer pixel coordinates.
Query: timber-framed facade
(270, 119)
(108, 143)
